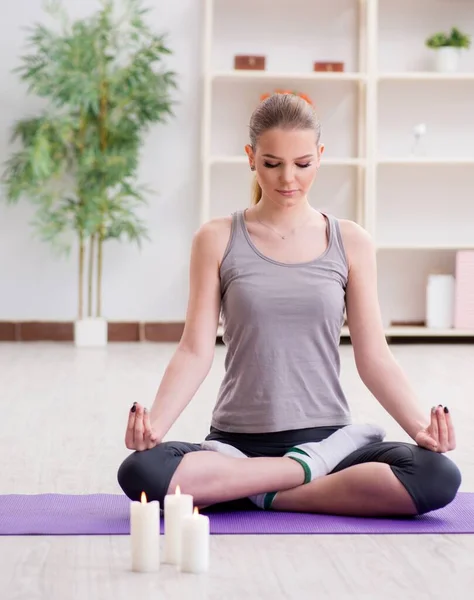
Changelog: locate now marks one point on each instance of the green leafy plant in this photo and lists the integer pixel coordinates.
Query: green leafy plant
(455, 39)
(104, 84)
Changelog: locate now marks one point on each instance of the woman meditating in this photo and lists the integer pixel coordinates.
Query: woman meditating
(282, 274)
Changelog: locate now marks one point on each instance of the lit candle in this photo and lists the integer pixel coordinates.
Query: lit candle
(177, 506)
(145, 535)
(195, 543)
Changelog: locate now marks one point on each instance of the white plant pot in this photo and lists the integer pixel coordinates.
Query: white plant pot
(447, 59)
(91, 332)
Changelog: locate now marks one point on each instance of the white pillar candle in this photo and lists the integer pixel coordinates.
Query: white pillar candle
(195, 543)
(177, 506)
(145, 535)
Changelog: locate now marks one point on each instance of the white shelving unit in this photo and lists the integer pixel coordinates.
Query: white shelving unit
(417, 208)
(330, 162)
(425, 76)
(409, 332)
(439, 162)
(276, 76)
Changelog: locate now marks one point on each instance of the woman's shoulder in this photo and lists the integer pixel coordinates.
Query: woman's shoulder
(215, 228)
(214, 235)
(355, 238)
(352, 230)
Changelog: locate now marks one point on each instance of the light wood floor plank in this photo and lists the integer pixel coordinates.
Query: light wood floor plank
(63, 418)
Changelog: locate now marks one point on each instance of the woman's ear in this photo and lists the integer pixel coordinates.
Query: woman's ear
(320, 152)
(251, 156)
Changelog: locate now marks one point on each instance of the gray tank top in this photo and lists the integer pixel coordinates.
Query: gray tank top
(282, 325)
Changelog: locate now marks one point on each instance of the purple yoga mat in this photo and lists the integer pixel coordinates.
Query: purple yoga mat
(104, 514)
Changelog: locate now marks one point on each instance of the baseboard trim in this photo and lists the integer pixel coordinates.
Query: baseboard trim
(63, 331)
(9, 332)
(149, 331)
(163, 332)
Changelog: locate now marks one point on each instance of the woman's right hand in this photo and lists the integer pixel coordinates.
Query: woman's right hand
(140, 435)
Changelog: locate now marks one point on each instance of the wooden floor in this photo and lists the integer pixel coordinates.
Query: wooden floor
(63, 418)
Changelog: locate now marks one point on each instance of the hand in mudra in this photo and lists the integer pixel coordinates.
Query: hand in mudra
(439, 436)
(140, 434)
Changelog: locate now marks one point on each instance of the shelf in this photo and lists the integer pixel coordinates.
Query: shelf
(419, 331)
(409, 246)
(433, 160)
(357, 162)
(329, 162)
(425, 76)
(412, 332)
(248, 75)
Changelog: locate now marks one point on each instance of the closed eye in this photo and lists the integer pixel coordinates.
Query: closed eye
(273, 166)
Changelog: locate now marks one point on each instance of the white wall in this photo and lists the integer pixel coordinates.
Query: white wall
(151, 284)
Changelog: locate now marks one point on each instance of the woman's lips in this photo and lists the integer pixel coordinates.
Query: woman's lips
(287, 192)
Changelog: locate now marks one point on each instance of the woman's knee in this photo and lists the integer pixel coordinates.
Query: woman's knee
(445, 480)
(146, 471)
(432, 479)
(151, 471)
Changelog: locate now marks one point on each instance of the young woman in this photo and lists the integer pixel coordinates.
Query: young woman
(282, 274)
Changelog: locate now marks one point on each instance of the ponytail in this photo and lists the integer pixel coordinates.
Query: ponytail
(256, 192)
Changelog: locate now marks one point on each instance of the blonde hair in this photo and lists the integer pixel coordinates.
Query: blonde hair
(285, 111)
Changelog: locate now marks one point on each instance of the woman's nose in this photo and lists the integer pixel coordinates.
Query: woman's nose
(287, 174)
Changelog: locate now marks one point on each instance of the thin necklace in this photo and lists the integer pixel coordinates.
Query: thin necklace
(283, 237)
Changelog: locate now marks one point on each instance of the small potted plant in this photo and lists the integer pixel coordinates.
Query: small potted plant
(104, 85)
(448, 48)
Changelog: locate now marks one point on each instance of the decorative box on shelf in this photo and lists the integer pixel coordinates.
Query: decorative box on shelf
(246, 62)
(440, 301)
(328, 67)
(302, 95)
(464, 290)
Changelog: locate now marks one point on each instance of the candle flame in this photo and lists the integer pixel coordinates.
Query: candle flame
(196, 511)
(143, 498)
(178, 490)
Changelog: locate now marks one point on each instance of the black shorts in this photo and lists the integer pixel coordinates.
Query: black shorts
(431, 479)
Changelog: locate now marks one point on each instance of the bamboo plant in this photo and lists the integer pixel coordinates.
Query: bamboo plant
(104, 84)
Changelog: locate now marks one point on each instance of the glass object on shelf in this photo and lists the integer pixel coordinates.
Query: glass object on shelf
(418, 146)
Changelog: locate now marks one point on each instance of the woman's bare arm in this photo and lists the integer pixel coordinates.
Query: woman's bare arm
(375, 363)
(193, 357)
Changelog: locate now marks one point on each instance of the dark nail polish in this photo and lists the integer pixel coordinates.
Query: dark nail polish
(440, 405)
(134, 408)
(446, 410)
(135, 403)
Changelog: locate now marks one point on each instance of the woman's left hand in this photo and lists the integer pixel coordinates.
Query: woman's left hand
(439, 436)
